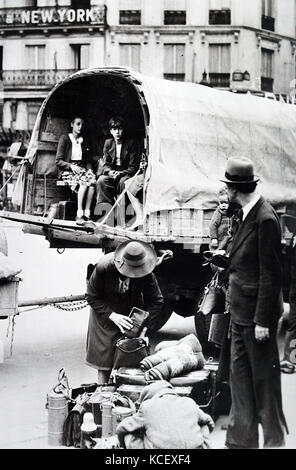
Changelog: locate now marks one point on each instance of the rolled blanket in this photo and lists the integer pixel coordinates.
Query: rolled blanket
(178, 365)
(163, 355)
(190, 340)
(165, 344)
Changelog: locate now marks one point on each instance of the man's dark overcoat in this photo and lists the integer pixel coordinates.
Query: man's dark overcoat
(254, 295)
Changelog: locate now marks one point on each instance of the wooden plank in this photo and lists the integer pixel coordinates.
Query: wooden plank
(157, 224)
(48, 146)
(9, 296)
(198, 223)
(49, 137)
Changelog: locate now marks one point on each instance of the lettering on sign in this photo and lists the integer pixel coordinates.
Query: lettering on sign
(44, 16)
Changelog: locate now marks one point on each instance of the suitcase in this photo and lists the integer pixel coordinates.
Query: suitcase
(134, 391)
(131, 391)
(67, 210)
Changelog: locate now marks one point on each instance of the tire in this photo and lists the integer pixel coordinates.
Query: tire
(3, 242)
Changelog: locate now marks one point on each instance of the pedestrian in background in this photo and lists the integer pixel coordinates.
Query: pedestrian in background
(288, 363)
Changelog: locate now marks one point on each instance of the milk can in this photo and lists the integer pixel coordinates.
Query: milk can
(106, 407)
(57, 414)
(118, 414)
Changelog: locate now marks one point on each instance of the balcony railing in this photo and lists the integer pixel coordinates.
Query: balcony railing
(11, 18)
(220, 80)
(33, 78)
(267, 22)
(267, 84)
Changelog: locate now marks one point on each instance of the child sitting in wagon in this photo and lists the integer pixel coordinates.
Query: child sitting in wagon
(74, 161)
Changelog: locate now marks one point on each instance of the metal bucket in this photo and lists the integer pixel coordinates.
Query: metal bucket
(118, 414)
(57, 414)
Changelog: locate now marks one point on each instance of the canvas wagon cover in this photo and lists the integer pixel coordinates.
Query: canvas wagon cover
(194, 129)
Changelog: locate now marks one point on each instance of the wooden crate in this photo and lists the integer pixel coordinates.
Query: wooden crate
(46, 193)
(206, 220)
(9, 296)
(187, 223)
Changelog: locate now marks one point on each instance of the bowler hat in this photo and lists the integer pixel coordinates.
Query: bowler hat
(135, 259)
(239, 170)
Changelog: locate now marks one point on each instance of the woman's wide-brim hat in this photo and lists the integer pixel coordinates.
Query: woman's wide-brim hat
(135, 259)
(239, 170)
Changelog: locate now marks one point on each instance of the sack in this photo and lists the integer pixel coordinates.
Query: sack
(138, 318)
(213, 298)
(129, 352)
(7, 267)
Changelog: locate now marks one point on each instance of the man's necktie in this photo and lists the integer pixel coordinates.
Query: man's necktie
(237, 221)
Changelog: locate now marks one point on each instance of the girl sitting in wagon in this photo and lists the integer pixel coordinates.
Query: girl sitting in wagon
(74, 161)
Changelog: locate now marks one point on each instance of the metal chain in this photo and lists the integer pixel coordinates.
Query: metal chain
(78, 305)
(71, 306)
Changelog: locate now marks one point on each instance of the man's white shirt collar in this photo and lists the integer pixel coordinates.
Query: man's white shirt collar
(250, 205)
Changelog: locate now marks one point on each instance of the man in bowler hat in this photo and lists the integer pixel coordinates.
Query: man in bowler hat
(254, 295)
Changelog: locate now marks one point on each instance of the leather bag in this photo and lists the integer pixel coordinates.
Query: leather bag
(129, 352)
(213, 297)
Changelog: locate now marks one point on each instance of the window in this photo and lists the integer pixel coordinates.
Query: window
(130, 56)
(174, 62)
(174, 12)
(220, 16)
(174, 17)
(130, 17)
(220, 12)
(80, 4)
(36, 57)
(80, 56)
(32, 111)
(219, 65)
(267, 19)
(267, 69)
(267, 7)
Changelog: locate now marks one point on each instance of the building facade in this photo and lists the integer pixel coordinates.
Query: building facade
(230, 44)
